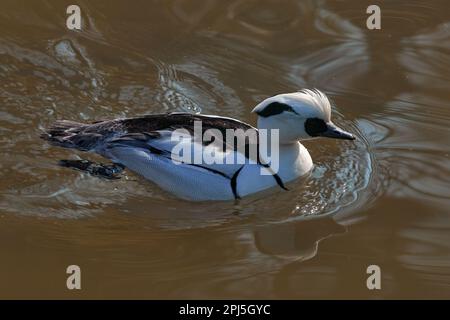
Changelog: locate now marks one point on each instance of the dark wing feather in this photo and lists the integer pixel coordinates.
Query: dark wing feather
(90, 136)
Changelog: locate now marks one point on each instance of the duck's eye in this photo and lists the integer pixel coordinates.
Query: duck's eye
(315, 126)
(275, 108)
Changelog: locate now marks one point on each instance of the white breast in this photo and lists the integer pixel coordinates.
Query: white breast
(294, 161)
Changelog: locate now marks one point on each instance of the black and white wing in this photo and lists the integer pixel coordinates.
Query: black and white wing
(181, 163)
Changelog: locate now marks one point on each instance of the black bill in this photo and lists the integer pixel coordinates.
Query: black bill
(337, 133)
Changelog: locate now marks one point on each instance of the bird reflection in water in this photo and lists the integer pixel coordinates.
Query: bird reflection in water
(295, 240)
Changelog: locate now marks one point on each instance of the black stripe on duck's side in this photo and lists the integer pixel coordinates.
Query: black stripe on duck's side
(277, 178)
(220, 173)
(279, 181)
(233, 183)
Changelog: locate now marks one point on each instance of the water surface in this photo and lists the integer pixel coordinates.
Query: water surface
(383, 199)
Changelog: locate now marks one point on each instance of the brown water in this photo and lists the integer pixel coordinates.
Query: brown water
(383, 200)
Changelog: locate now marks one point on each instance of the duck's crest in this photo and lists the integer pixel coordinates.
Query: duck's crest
(319, 100)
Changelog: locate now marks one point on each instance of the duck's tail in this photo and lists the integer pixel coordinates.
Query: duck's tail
(67, 134)
(108, 171)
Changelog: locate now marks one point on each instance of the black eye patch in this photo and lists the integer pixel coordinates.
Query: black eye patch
(315, 126)
(275, 108)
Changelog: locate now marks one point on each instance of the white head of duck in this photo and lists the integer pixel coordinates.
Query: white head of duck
(298, 116)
